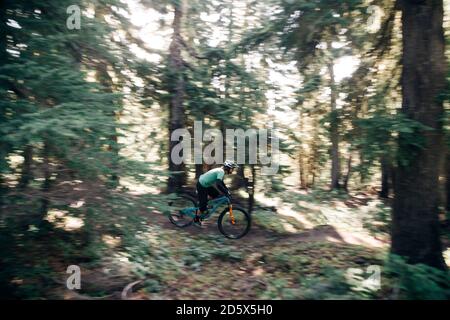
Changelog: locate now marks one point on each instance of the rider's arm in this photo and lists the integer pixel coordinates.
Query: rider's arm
(222, 187)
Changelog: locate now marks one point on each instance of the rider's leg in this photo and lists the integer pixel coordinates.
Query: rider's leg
(213, 192)
(202, 197)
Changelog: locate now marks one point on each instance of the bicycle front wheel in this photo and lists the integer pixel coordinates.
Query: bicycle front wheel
(176, 206)
(234, 229)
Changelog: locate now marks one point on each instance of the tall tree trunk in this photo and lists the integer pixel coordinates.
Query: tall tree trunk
(415, 224)
(241, 174)
(447, 181)
(349, 172)
(239, 180)
(3, 188)
(106, 81)
(45, 201)
(251, 188)
(198, 170)
(314, 157)
(385, 175)
(3, 96)
(363, 175)
(301, 157)
(303, 176)
(177, 118)
(27, 174)
(334, 131)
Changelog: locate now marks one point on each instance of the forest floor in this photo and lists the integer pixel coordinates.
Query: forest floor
(304, 250)
(312, 244)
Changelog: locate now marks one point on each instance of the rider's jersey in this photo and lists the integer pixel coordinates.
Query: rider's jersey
(209, 178)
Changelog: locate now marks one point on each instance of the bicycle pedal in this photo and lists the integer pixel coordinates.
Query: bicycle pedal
(198, 224)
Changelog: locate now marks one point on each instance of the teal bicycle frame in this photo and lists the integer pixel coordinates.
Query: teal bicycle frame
(214, 203)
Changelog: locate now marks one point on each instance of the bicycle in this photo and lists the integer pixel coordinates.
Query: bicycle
(233, 222)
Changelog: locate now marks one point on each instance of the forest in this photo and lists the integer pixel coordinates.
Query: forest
(97, 97)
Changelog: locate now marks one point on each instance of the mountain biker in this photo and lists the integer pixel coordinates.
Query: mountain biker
(210, 183)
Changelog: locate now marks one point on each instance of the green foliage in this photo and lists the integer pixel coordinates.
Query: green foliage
(227, 254)
(152, 286)
(271, 221)
(50, 99)
(62, 92)
(379, 221)
(148, 259)
(22, 275)
(332, 285)
(378, 135)
(301, 274)
(276, 289)
(417, 282)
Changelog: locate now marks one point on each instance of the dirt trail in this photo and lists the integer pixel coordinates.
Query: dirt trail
(260, 237)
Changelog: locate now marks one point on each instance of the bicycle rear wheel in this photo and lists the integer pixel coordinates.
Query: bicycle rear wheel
(240, 227)
(176, 215)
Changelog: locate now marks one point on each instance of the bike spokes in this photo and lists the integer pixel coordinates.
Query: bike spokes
(179, 213)
(180, 219)
(234, 223)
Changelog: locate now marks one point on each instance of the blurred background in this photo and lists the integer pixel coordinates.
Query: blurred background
(357, 90)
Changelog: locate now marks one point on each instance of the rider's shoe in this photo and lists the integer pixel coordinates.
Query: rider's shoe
(198, 222)
(199, 218)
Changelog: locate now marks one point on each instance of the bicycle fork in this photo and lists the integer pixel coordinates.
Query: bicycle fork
(230, 208)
